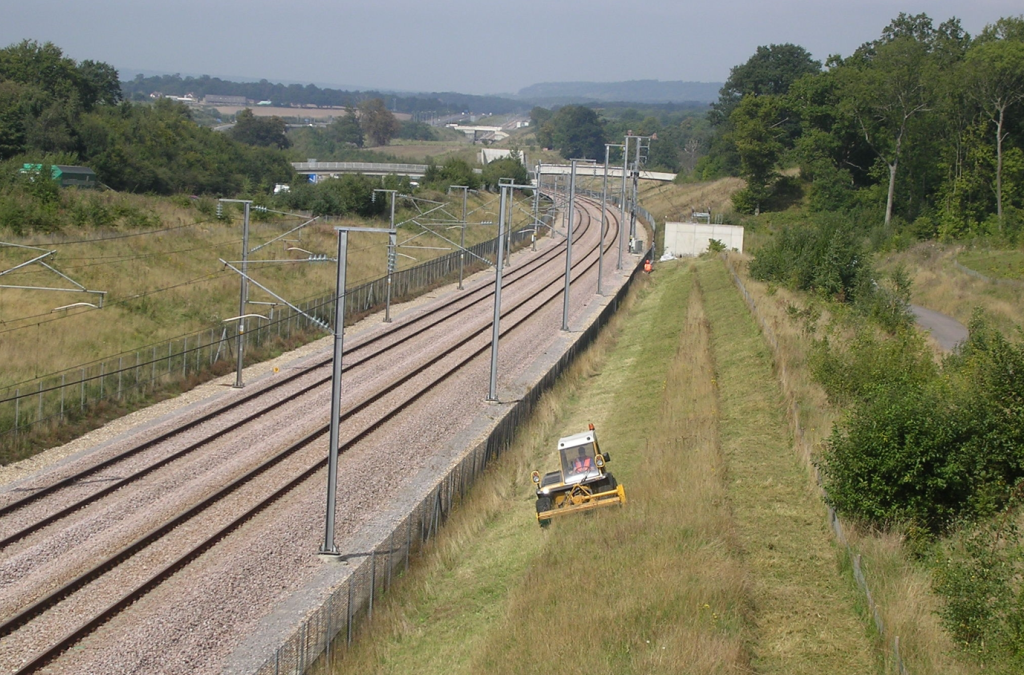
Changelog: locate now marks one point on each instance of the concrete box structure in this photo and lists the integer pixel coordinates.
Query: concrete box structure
(691, 239)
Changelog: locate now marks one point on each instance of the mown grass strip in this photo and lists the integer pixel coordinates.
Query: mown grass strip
(806, 617)
(720, 562)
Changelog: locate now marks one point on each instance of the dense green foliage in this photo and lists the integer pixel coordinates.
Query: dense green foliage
(508, 168)
(53, 110)
(454, 171)
(979, 575)
(924, 124)
(159, 149)
(264, 132)
(925, 444)
(575, 131)
(349, 194)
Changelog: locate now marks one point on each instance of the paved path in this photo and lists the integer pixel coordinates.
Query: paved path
(946, 330)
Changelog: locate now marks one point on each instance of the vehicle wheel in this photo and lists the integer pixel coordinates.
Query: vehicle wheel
(611, 482)
(544, 504)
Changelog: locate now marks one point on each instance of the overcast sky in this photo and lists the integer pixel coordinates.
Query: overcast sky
(469, 46)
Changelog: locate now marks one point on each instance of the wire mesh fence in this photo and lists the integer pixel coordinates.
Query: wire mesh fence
(794, 416)
(131, 377)
(329, 629)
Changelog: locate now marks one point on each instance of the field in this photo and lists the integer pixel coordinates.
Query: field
(721, 561)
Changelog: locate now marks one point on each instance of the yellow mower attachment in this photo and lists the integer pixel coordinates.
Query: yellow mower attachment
(582, 483)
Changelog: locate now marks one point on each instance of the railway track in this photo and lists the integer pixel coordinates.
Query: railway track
(260, 401)
(380, 406)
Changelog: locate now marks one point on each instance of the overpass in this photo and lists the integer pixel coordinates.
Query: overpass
(325, 169)
(416, 171)
(597, 171)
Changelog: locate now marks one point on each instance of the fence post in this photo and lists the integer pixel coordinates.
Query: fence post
(120, 368)
(102, 373)
(184, 357)
(81, 402)
(63, 377)
(17, 409)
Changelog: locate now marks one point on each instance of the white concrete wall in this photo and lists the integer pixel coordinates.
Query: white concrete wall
(685, 239)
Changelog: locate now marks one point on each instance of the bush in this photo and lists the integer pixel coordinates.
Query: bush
(921, 444)
(979, 577)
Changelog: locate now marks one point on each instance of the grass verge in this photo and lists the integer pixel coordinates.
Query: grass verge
(720, 562)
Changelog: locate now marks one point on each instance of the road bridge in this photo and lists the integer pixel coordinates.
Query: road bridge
(326, 169)
(597, 171)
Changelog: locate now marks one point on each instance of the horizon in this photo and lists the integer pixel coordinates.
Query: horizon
(404, 46)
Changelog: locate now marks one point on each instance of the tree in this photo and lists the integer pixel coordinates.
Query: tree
(756, 135)
(883, 90)
(264, 132)
(577, 132)
(769, 72)
(995, 77)
(346, 130)
(505, 168)
(377, 121)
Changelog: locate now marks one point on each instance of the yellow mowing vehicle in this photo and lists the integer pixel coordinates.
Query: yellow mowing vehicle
(582, 483)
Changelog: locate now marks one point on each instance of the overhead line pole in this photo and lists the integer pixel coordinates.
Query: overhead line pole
(329, 548)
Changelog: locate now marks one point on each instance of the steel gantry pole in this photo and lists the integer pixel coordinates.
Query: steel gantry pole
(492, 391)
(392, 246)
(622, 199)
(244, 299)
(636, 180)
(604, 200)
(568, 244)
(462, 237)
(329, 548)
(243, 294)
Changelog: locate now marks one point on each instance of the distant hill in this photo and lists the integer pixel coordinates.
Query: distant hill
(637, 91)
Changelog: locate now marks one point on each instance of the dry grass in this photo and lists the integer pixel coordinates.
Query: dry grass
(940, 286)
(167, 283)
(675, 201)
(901, 587)
(720, 562)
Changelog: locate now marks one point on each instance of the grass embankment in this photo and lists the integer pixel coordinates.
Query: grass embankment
(900, 584)
(675, 201)
(940, 286)
(720, 562)
(165, 280)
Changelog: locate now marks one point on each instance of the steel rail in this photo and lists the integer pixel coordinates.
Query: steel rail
(523, 270)
(43, 604)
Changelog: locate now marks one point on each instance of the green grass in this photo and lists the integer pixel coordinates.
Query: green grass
(995, 264)
(720, 561)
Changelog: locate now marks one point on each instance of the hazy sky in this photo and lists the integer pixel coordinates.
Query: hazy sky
(470, 46)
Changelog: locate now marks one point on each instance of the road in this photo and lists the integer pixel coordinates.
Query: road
(946, 330)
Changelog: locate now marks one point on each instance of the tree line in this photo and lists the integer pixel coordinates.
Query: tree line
(925, 124)
(140, 87)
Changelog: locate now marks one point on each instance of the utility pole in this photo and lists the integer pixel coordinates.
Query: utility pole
(506, 189)
(568, 240)
(462, 238)
(604, 201)
(329, 548)
(243, 295)
(392, 245)
(622, 198)
(492, 390)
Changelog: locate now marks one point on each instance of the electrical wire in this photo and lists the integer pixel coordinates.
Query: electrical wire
(114, 303)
